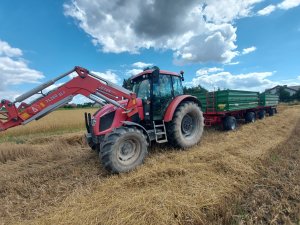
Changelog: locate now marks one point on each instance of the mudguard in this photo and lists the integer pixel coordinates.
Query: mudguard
(174, 104)
(129, 123)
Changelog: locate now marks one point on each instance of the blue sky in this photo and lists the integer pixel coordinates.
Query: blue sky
(250, 44)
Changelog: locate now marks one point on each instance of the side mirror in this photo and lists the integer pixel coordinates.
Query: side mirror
(181, 73)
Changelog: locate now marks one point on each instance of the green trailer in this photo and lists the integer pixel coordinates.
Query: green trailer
(232, 100)
(266, 99)
(225, 106)
(201, 96)
(227, 100)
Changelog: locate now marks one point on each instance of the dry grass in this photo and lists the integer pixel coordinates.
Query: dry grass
(59, 121)
(57, 180)
(275, 196)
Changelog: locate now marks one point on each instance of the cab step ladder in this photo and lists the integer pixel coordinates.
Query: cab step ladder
(160, 131)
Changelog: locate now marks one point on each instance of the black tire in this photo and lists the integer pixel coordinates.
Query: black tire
(229, 123)
(275, 110)
(123, 149)
(95, 148)
(261, 114)
(186, 128)
(250, 117)
(271, 112)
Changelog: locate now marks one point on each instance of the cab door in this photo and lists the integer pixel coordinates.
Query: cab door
(162, 95)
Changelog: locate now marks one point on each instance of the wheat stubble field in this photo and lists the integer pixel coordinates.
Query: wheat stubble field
(250, 176)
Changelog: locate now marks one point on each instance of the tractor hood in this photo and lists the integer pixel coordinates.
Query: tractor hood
(110, 117)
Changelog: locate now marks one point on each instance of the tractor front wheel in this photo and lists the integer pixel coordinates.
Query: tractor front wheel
(123, 149)
(186, 128)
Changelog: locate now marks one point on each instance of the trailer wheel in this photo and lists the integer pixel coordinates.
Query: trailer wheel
(250, 117)
(271, 112)
(261, 114)
(186, 128)
(123, 149)
(229, 123)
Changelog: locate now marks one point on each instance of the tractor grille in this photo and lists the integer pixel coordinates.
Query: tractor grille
(106, 121)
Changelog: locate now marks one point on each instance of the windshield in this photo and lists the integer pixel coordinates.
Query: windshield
(142, 89)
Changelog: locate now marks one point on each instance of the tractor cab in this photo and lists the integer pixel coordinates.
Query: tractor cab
(157, 88)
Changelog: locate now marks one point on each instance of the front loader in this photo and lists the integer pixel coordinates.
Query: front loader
(128, 121)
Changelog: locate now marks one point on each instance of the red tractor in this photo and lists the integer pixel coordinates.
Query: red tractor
(156, 110)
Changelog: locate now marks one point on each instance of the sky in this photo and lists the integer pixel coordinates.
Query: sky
(235, 44)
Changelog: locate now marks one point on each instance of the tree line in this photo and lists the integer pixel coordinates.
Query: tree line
(284, 96)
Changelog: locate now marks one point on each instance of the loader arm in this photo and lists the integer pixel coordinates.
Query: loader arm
(86, 83)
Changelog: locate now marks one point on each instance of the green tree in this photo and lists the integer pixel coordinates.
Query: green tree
(296, 96)
(194, 90)
(284, 96)
(127, 84)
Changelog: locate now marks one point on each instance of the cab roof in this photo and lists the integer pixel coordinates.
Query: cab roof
(151, 70)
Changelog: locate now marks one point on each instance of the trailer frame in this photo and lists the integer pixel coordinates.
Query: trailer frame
(217, 117)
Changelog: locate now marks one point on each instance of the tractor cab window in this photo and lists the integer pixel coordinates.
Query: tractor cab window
(162, 95)
(177, 86)
(163, 89)
(142, 89)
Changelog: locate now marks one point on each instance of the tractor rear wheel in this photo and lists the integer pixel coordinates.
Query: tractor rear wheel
(123, 149)
(186, 128)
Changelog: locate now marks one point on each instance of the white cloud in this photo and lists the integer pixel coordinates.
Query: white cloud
(137, 67)
(219, 11)
(196, 30)
(7, 50)
(284, 5)
(14, 70)
(9, 95)
(267, 10)
(248, 50)
(288, 4)
(256, 81)
(108, 75)
(216, 44)
(141, 65)
(205, 71)
(233, 63)
(132, 72)
(214, 78)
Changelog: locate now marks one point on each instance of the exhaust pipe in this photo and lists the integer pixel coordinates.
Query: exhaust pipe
(87, 124)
